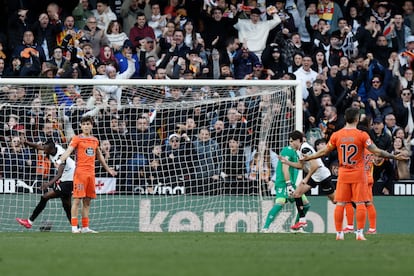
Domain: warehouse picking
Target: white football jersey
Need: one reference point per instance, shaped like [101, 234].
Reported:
[322, 172]
[69, 166]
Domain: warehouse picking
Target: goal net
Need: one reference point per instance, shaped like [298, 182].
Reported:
[195, 155]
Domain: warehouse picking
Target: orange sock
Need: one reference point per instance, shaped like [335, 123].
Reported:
[85, 222]
[349, 209]
[372, 216]
[339, 217]
[361, 216]
[74, 222]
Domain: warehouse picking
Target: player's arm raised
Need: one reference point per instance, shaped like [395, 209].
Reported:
[38, 146]
[382, 153]
[322, 152]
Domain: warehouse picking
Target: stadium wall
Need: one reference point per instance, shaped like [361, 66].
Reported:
[128, 213]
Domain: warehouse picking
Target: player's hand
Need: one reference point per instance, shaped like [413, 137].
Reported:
[401, 156]
[44, 186]
[112, 172]
[282, 159]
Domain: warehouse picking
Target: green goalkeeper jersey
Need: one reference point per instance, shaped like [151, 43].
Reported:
[290, 154]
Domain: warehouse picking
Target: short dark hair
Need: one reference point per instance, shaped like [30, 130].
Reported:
[295, 135]
[49, 145]
[49, 142]
[216, 9]
[320, 141]
[352, 115]
[105, 2]
[140, 13]
[87, 119]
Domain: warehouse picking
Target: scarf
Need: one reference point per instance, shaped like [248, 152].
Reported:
[326, 12]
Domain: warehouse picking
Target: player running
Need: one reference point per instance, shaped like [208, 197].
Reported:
[62, 182]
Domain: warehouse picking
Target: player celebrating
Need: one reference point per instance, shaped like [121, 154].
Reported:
[316, 174]
[351, 143]
[285, 183]
[62, 182]
[87, 149]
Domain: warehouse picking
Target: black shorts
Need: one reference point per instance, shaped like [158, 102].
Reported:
[63, 189]
[326, 186]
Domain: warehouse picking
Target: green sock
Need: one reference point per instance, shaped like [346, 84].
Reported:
[272, 214]
[305, 210]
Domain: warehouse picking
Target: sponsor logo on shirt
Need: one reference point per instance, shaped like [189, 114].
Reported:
[90, 152]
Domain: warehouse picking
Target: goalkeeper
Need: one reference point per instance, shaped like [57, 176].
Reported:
[285, 183]
[62, 182]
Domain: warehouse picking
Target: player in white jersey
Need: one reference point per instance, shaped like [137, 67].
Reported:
[316, 174]
[62, 182]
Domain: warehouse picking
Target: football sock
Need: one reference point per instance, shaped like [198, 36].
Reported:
[272, 214]
[39, 208]
[339, 217]
[361, 216]
[66, 204]
[349, 209]
[85, 222]
[74, 222]
[305, 210]
[299, 206]
[372, 216]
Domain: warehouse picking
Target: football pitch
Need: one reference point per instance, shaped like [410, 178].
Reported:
[181, 254]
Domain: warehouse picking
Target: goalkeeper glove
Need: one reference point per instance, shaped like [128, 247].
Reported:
[290, 189]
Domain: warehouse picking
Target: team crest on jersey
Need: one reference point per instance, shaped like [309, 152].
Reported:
[90, 152]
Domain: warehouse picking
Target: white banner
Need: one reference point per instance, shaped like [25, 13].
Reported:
[105, 185]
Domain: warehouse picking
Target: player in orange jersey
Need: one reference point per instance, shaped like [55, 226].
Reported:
[87, 150]
[370, 160]
[351, 143]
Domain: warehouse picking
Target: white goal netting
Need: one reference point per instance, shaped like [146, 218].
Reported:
[190, 155]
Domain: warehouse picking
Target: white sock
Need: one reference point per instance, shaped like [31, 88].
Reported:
[31, 222]
[302, 219]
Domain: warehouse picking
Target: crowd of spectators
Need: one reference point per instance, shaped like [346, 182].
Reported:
[345, 53]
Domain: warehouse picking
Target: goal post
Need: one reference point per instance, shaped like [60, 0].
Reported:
[191, 155]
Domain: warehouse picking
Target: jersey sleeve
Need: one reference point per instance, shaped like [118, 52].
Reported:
[59, 152]
[306, 150]
[367, 139]
[74, 142]
[332, 141]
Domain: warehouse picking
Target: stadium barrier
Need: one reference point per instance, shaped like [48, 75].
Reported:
[151, 214]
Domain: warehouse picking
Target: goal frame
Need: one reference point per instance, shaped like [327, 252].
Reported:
[148, 224]
[180, 82]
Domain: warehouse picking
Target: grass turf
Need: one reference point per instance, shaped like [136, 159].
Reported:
[203, 254]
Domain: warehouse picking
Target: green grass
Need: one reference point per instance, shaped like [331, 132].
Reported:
[203, 254]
